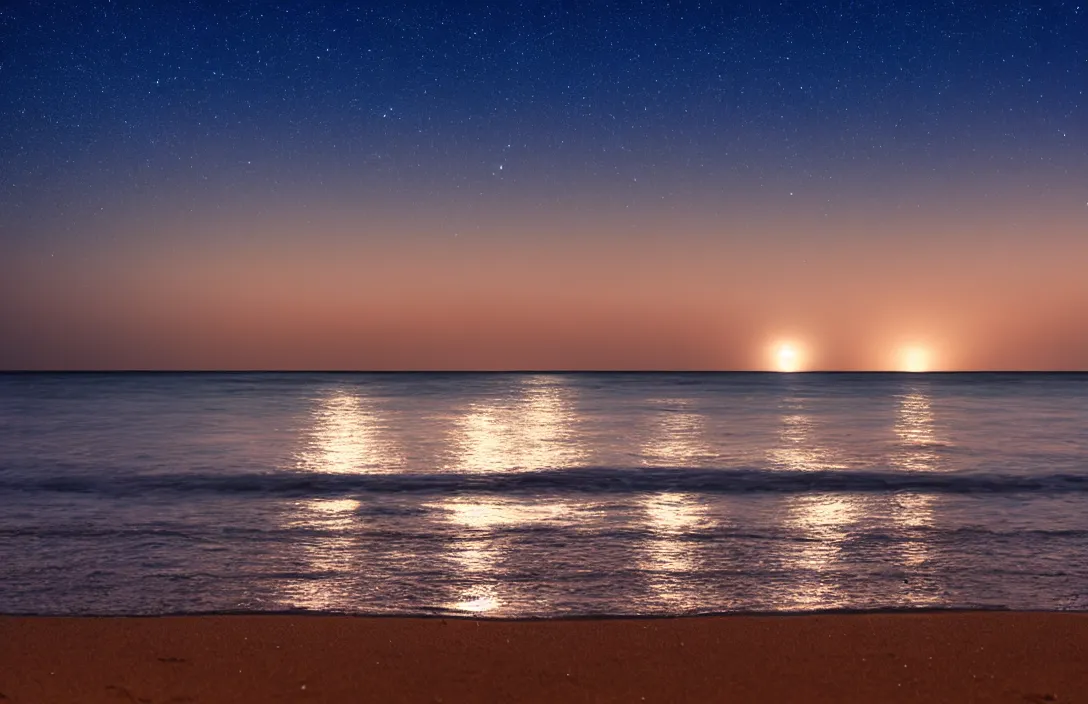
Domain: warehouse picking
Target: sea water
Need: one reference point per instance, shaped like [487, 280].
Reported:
[538, 495]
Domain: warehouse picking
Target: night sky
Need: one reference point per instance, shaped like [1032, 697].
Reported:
[544, 185]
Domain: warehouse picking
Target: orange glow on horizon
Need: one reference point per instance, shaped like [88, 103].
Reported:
[564, 294]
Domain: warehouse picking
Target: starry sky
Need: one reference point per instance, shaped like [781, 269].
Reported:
[543, 185]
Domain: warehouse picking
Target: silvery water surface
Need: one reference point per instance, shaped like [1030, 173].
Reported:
[514, 495]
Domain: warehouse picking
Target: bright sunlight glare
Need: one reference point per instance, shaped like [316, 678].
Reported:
[787, 358]
[914, 359]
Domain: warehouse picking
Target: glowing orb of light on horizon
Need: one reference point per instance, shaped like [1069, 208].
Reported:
[914, 359]
[787, 357]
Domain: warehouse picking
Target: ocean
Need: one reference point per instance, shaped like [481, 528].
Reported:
[541, 495]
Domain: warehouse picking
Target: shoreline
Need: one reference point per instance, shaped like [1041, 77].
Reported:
[484, 618]
[899, 656]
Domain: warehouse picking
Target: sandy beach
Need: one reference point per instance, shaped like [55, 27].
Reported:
[889, 657]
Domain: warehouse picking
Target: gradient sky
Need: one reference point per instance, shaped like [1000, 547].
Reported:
[543, 185]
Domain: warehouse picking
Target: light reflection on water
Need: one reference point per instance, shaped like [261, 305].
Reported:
[479, 548]
[826, 523]
[668, 555]
[348, 437]
[916, 430]
[677, 440]
[822, 524]
[533, 432]
[330, 550]
[535, 429]
[797, 448]
[818, 557]
[678, 436]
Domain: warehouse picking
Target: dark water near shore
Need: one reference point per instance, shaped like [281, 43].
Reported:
[541, 495]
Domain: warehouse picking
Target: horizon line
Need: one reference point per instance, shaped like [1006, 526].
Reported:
[545, 371]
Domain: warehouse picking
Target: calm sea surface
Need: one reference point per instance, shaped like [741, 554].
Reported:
[541, 495]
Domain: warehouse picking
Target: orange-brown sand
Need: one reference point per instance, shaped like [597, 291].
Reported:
[919, 657]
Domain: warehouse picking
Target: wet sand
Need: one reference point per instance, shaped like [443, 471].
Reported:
[904, 657]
